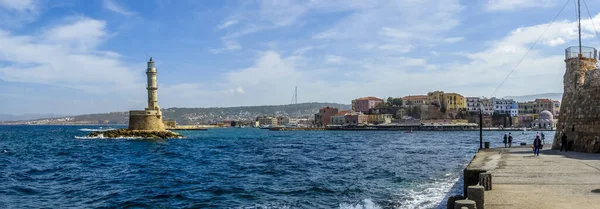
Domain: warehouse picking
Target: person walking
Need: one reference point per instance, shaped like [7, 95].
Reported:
[543, 138]
[510, 139]
[563, 142]
[537, 143]
[505, 140]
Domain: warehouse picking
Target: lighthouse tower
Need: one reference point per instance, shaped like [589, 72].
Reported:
[149, 119]
[152, 87]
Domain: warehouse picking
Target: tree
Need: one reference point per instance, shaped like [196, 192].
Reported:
[233, 123]
[390, 100]
[397, 102]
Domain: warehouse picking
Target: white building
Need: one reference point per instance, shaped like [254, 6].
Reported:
[505, 106]
[473, 105]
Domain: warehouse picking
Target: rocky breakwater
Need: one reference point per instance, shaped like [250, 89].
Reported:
[126, 133]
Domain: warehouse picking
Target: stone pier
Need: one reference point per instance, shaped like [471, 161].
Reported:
[552, 180]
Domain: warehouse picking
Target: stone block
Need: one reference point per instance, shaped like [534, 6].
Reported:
[471, 177]
[476, 193]
[469, 204]
[485, 180]
[452, 199]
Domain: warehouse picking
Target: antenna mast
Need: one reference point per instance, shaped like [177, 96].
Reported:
[579, 22]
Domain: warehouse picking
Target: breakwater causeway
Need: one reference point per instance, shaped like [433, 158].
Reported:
[46, 166]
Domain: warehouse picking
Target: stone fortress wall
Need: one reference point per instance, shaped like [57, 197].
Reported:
[580, 108]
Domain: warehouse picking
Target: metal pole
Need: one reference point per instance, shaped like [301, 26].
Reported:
[579, 21]
[480, 129]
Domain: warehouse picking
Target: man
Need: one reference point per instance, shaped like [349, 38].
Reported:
[537, 144]
[563, 142]
[505, 140]
[510, 138]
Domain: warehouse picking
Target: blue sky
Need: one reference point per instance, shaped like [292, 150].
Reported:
[74, 57]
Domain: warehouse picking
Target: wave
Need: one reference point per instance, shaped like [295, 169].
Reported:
[101, 136]
[429, 195]
[365, 204]
[96, 129]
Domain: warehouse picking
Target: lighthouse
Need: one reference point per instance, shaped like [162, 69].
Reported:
[149, 119]
[152, 86]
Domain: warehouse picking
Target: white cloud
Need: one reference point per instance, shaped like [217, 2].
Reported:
[453, 39]
[66, 56]
[506, 5]
[229, 45]
[19, 5]
[334, 59]
[227, 24]
[115, 7]
[325, 35]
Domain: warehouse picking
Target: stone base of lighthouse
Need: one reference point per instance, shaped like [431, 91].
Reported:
[146, 120]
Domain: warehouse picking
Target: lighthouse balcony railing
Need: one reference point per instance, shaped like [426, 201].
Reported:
[586, 52]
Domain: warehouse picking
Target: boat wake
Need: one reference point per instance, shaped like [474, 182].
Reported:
[101, 136]
[96, 129]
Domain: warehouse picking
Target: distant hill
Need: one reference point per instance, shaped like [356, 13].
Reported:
[524, 98]
[200, 115]
[6, 117]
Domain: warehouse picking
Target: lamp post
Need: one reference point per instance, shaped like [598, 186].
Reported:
[480, 125]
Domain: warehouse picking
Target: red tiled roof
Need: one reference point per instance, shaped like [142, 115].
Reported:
[343, 112]
[414, 97]
[369, 98]
[543, 100]
[328, 107]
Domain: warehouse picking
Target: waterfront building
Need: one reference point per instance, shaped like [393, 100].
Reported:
[475, 103]
[505, 106]
[323, 118]
[556, 111]
[283, 121]
[454, 102]
[415, 100]
[267, 121]
[339, 118]
[379, 118]
[545, 121]
[526, 108]
[356, 118]
[525, 120]
[364, 104]
[435, 98]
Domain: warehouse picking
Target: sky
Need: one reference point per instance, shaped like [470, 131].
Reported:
[89, 56]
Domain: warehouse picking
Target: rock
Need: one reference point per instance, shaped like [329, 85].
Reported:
[143, 134]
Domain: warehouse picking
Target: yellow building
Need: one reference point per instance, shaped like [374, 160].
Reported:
[452, 101]
[380, 118]
[435, 98]
[455, 101]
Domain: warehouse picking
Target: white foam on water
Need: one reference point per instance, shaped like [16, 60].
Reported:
[101, 136]
[429, 195]
[96, 129]
[365, 204]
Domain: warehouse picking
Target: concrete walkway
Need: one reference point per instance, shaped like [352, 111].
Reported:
[552, 180]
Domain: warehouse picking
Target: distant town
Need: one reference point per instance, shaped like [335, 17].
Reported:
[436, 108]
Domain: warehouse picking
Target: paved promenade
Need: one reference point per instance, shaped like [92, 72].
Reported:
[552, 180]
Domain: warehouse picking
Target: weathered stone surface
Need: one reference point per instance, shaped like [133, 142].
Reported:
[485, 180]
[452, 199]
[579, 114]
[470, 204]
[143, 134]
[476, 193]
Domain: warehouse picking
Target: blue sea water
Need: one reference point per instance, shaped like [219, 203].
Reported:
[48, 167]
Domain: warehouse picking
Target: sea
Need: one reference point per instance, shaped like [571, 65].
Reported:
[59, 167]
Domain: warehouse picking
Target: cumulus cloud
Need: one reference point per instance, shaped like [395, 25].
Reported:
[66, 56]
